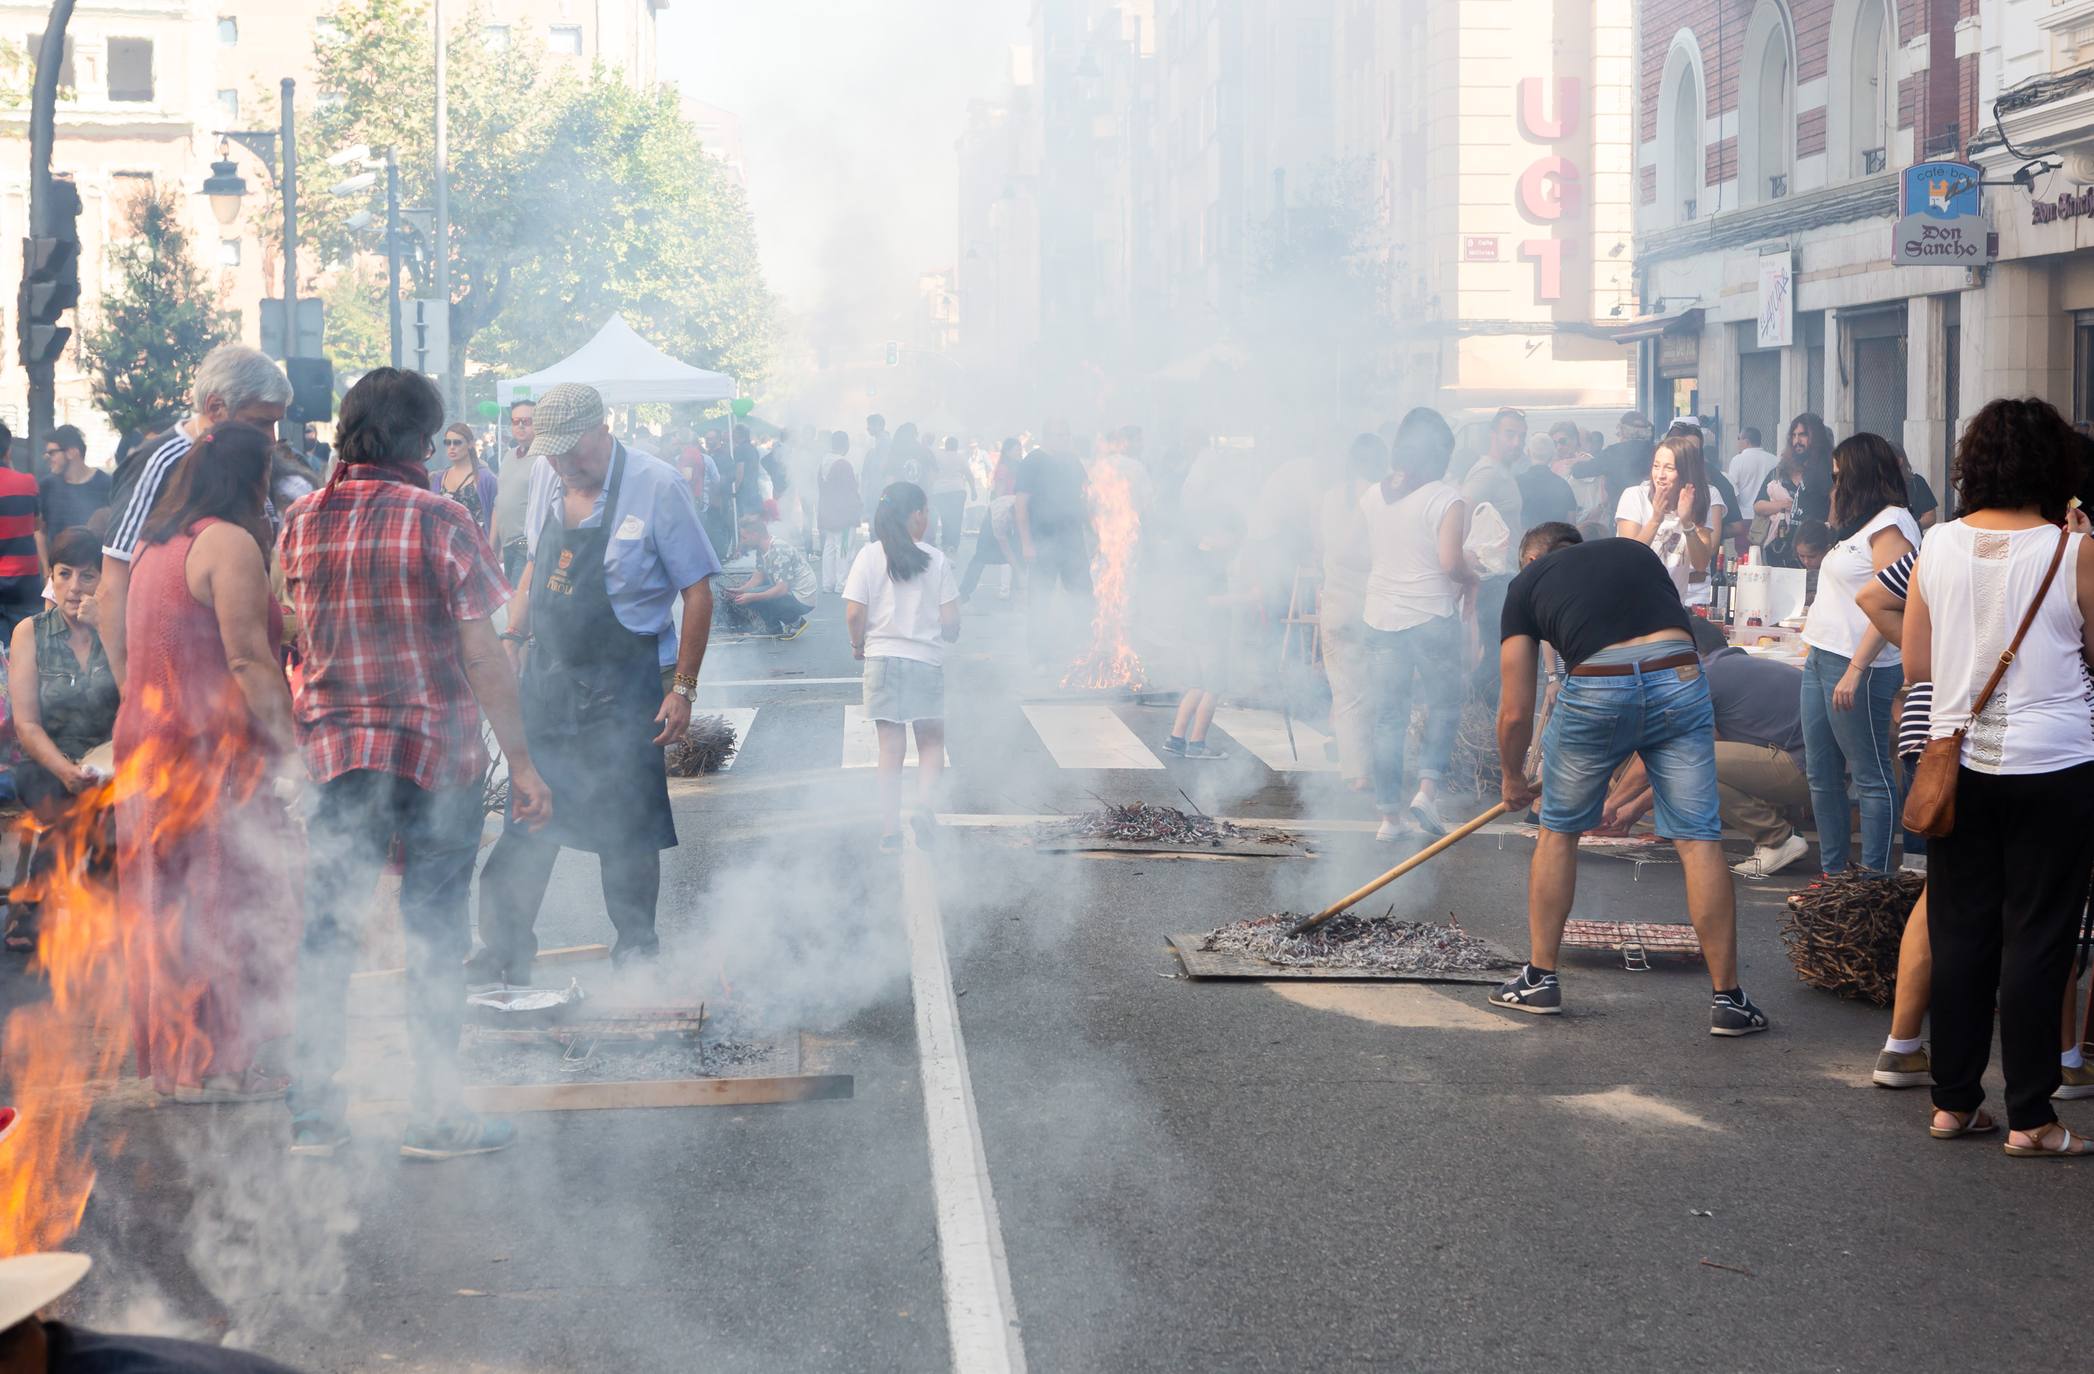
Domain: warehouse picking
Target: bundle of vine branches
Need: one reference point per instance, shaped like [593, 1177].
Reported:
[1843, 934]
[705, 748]
[1473, 766]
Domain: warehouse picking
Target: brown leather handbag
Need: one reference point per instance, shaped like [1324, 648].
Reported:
[1930, 803]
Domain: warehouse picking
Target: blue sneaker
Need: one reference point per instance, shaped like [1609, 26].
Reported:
[1525, 992]
[453, 1137]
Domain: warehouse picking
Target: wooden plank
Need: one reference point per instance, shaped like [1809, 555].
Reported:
[1201, 963]
[658, 1093]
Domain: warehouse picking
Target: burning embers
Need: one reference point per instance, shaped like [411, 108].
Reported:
[1350, 941]
[1139, 822]
[1110, 661]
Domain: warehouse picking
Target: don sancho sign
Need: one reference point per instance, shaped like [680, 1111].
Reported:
[1940, 219]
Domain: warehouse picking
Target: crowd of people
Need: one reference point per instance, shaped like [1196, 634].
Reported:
[232, 623]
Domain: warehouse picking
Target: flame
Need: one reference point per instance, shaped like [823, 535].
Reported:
[99, 957]
[1110, 661]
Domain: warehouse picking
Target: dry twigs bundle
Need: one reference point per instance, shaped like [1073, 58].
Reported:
[1473, 766]
[1843, 935]
[705, 748]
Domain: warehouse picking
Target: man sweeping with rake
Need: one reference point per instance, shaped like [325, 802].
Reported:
[1634, 686]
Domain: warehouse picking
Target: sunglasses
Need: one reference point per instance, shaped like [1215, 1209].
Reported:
[454, 443]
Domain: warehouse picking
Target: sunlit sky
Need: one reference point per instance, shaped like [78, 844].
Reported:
[845, 100]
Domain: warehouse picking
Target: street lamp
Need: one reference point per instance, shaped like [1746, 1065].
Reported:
[225, 187]
[361, 155]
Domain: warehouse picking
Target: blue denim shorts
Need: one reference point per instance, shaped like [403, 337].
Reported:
[1598, 722]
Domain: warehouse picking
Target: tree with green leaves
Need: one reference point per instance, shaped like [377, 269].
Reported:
[150, 333]
[572, 196]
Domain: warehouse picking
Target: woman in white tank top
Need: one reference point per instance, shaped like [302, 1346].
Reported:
[2006, 887]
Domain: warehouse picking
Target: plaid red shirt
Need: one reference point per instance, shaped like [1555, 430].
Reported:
[380, 573]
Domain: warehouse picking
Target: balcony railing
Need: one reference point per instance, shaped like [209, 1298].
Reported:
[1777, 185]
[1874, 160]
[1686, 209]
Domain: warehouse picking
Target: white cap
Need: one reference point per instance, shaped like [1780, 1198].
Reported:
[30, 1283]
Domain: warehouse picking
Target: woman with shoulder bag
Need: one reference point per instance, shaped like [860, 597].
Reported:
[1996, 621]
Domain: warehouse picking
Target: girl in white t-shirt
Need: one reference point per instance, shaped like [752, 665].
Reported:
[901, 604]
[1677, 514]
[1851, 675]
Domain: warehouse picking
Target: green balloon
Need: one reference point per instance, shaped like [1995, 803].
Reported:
[743, 405]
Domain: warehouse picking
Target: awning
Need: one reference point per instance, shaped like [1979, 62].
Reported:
[1686, 320]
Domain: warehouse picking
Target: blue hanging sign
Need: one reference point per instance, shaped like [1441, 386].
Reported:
[1939, 190]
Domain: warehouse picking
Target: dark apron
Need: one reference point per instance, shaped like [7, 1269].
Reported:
[590, 690]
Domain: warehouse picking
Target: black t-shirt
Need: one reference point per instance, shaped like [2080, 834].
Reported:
[1053, 488]
[1544, 497]
[1588, 596]
[1919, 497]
[1720, 487]
[67, 504]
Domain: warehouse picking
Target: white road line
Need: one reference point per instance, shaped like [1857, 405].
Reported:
[741, 718]
[861, 741]
[776, 682]
[981, 1318]
[1264, 733]
[1088, 735]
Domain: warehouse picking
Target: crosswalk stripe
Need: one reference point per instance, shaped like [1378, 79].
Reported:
[1264, 733]
[1088, 735]
[861, 741]
[742, 718]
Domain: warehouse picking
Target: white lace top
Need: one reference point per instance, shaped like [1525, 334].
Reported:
[1978, 585]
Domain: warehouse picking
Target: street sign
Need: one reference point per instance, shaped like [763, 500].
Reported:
[312, 329]
[1941, 220]
[429, 338]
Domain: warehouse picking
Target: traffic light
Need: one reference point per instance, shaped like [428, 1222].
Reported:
[894, 355]
[51, 277]
[312, 388]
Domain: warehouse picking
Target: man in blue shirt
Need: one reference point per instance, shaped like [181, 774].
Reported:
[615, 549]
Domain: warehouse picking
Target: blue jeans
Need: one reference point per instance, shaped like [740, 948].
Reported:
[355, 819]
[1856, 741]
[1598, 722]
[1431, 651]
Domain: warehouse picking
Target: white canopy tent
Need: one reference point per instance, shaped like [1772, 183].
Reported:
[626, 370]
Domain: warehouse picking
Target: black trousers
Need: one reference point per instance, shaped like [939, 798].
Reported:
[1059, 556]
[2004, 894]
[779, 613]
[512, 888]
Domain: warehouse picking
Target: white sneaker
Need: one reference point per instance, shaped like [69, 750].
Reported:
[1765, 863]
[1426, 812]
[1390, 831]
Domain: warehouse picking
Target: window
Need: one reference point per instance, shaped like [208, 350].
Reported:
[1769, 120]
[229, 104]
[65, 64]
[1681, 107]
[1863, 113]
[496, 36]
[228, 31]
[228, 252]
[131, 69]
[1312, 74]
[565, 39]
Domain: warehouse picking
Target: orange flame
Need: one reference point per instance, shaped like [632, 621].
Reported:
[1110, 661]
[95, 953]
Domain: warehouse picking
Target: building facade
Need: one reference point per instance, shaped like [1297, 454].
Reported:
[1771, 140]
[153, 82]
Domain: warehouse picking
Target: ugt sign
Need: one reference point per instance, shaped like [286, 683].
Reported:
[1551, 191]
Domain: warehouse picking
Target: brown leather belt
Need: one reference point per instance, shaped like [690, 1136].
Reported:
[1685, 659]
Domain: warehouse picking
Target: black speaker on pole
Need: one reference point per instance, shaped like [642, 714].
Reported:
[312, 388]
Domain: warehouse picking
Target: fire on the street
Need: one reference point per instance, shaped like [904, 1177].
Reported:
[1110, 661]
[63, 1052]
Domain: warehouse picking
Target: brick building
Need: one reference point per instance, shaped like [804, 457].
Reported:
[1770, 139]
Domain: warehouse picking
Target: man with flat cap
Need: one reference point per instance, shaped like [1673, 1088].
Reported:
[615, 546]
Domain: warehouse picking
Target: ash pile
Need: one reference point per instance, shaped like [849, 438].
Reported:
[1141, 823]
[546, 1035]
[1371, 944]
[705, 748]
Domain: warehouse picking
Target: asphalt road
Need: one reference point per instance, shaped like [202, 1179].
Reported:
[1183, 1175]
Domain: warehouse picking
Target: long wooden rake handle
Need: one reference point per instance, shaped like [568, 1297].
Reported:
[1438, 846]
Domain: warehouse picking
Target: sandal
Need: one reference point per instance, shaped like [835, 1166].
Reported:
[1972, 1122]
[2067, 1145]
